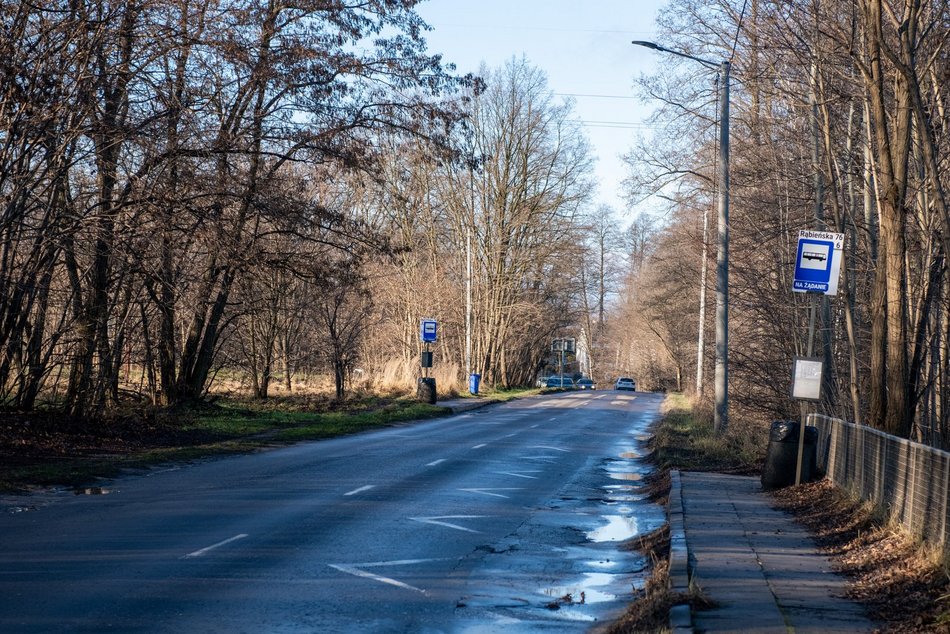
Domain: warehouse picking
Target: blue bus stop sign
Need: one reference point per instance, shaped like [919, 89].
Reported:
[818, 262]
[427, 330]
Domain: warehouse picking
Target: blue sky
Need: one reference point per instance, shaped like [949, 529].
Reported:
[584, 47]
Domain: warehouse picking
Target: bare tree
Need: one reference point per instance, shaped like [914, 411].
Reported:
[519, 207]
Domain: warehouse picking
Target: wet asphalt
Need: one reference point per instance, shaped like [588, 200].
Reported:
[507, 518]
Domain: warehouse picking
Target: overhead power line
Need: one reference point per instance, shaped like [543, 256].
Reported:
[501, 27]
[581, 94]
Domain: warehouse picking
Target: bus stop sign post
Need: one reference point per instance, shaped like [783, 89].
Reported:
[428, 333]
[817, 269]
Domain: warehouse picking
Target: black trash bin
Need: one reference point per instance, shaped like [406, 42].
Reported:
[425, 391]
[782, 455]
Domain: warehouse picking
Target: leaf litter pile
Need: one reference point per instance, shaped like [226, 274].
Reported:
[905, 586]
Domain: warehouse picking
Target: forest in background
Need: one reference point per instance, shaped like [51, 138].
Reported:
[264, 192]
[838, 123]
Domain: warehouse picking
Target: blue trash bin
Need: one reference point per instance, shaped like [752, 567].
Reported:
[473, 380]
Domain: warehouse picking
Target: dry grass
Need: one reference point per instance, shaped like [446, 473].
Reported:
[685, 438]
[400, 376]
[395, 378]
[903, 583]
[650, 610]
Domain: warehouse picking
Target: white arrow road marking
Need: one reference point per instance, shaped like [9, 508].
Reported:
[437, 522]
[361, 489]
[518, 474]
[549, 447]
[435, 462]
[357, 571]
[199, 553]
[489, 491]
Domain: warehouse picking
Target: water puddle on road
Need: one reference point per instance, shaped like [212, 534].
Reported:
[632, 477]
[619, 528]
[571, 566]
[585, 590]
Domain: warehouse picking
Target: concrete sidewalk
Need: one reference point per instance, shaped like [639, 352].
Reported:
[762, 570]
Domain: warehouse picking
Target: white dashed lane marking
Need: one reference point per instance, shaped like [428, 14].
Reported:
[491, 491]
[203, 551]
[519, 474]
[439, 521]
[357, 571]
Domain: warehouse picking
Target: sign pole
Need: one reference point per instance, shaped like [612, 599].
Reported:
[801, 428]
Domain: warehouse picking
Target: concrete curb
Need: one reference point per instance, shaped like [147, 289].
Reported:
[465, 405]
[681, 620]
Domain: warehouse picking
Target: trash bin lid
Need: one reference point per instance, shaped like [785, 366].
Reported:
[787, 431]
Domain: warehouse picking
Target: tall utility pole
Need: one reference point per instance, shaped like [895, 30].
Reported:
[722, 261]
[722, 253]
[468, 302]
[468, 270]
[701, 339]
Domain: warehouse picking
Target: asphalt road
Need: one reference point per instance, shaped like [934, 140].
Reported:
[474, 522]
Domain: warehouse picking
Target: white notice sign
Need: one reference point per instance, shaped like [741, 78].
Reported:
[806, 379]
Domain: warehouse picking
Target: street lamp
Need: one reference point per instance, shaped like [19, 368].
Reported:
[722, 254]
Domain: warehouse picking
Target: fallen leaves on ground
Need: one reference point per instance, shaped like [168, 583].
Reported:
[904, 585]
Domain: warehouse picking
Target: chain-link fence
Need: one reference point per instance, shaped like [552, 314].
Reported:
[908, 479]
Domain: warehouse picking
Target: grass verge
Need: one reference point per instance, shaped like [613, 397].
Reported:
[686, 439]
[51, 451]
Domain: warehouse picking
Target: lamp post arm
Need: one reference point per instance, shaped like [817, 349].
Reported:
[657, 47]
[721, 418]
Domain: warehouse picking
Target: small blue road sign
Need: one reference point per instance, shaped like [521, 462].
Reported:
[427, 330]
[818, 264]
